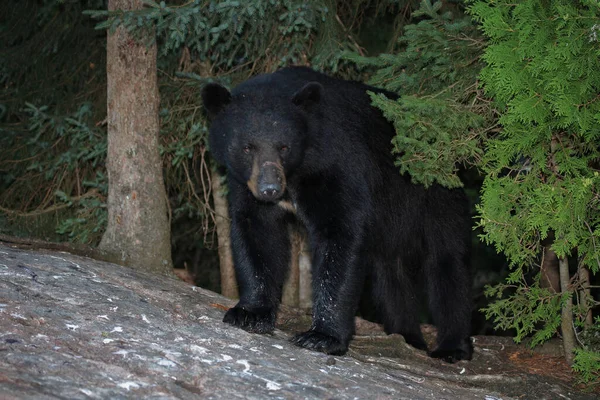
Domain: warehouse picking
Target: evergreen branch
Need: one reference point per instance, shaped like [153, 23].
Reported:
[592, 236]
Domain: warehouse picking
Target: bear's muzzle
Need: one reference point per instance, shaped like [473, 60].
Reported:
[267, 182]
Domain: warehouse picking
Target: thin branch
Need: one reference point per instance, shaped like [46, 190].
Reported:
[56, 207]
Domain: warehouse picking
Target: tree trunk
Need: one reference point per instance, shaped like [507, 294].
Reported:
[585, 295]
[229, 286]
[305, 295]
[550, 276]
[138, 231]
[291, 288]
[567, 312]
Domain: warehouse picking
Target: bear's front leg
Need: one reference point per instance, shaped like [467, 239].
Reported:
[261, 254]
[338, 279]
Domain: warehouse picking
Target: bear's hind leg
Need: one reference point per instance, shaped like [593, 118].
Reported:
[449, 289]
[395, 298]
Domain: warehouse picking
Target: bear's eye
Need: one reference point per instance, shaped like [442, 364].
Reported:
[283, 149]
[247, 148]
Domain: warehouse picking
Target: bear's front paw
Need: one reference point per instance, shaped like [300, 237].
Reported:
[464, 351]
[257, 320]
[318, 341]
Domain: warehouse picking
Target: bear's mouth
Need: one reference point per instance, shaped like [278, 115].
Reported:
[267, 181]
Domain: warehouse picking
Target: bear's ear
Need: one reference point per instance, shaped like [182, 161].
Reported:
[310, 94]
[215, 97]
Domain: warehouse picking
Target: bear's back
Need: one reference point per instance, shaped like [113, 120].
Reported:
[287, 81]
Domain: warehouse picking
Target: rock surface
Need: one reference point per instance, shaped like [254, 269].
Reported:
[76, 328]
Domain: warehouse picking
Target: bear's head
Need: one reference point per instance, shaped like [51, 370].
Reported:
[260, 134]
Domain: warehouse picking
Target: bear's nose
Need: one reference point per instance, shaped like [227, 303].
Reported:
[270, 190]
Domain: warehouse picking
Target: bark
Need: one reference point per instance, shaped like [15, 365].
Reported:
[305, 295]
[585, 295]
[138, 231]
[291, 288]
[567, 312]
[550, 277]
[229, 286]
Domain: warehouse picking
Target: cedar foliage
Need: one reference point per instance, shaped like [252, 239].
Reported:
[440, 117]
[542, 172]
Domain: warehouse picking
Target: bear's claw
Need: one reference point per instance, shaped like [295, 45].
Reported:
[318, 341]
[255, 321]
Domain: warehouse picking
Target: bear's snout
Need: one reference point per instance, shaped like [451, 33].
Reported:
[268, 181]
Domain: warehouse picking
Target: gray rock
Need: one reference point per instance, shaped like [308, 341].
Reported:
[76, 328]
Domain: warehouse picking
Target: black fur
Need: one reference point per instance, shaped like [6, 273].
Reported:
[371, 230]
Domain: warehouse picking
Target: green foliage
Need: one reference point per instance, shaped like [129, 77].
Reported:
[184, 153]
[85, 143]
[88, 220]
[264, 34]
[543, 67]
[52, 158]
[34, 66]
[434, 135]
[56, 149]
[440, 119]
[525, 309]
[587, 359]
[542, 170]
[587, 364]
[440, 53]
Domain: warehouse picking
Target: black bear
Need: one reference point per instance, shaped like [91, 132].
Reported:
[300, 144]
